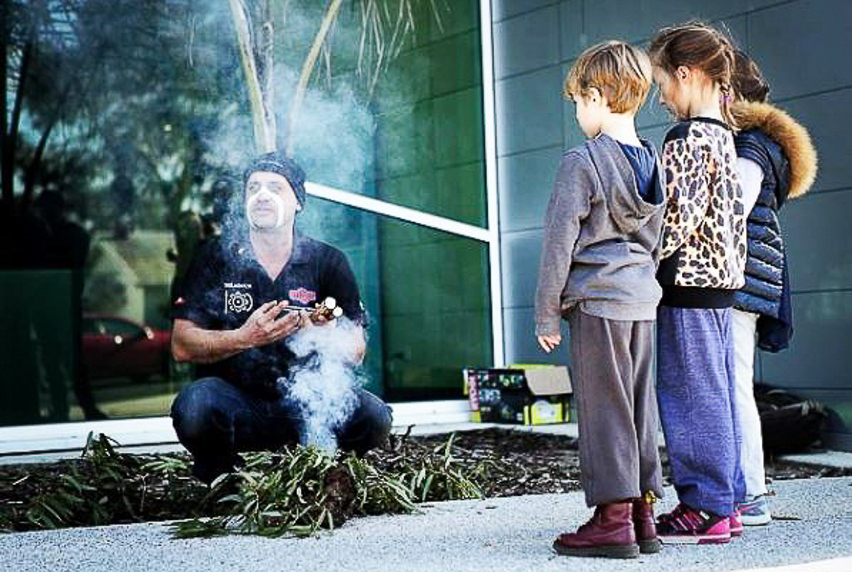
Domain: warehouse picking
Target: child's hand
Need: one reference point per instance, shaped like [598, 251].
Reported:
[549, 343]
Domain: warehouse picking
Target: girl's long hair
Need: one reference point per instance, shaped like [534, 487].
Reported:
[748, 80]
[698, 45]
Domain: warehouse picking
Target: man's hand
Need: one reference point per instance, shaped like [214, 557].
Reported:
[319, 320]
[268, 324]
[549, 343]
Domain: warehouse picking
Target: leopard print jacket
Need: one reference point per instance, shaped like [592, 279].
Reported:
[704, 229]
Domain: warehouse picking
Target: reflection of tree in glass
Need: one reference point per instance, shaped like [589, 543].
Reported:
[94, 84]
[385, 26]
[121, 87]
[120, 104]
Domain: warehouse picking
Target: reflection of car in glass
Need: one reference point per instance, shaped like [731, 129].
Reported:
[118, 347]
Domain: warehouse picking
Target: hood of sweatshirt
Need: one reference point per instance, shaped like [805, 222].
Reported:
[790, 135]
[626, 206]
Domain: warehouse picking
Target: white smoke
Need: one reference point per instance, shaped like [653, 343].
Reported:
[325, 386]
[333, 132]
[334, 142]
[334, 137]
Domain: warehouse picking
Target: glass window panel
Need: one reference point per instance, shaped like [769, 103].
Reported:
[145, 157]
[427, 293]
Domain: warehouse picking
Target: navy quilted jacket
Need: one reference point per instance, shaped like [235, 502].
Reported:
[765, 263]
[786, 156]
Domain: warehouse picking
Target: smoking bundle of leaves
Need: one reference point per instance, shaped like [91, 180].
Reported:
[302, 490]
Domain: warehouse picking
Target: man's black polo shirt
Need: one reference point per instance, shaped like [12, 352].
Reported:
[225, 284]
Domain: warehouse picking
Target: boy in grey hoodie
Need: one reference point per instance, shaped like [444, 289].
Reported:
[598, 270]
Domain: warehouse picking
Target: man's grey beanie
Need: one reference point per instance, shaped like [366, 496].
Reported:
[277, 162]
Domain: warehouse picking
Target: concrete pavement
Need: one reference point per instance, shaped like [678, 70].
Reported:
[814, 532]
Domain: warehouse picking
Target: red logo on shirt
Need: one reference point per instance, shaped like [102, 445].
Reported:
[302, 295]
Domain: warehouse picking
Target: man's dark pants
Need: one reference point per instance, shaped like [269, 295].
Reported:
[215, 420]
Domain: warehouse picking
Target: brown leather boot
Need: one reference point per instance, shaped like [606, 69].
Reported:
[646, 526]
[608, 533]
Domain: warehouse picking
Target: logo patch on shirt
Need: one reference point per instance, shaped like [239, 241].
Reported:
[236, 300]
[302, 295]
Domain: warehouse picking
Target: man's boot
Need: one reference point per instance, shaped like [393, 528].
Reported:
[645, 525]
[608, 533]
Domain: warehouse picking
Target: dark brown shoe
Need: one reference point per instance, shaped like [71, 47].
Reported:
[646, 526]
[609, 533]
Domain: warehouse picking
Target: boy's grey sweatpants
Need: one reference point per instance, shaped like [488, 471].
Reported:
[611, 366]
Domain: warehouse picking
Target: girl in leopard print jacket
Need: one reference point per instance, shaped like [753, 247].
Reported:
[703, 251]
[703, 254]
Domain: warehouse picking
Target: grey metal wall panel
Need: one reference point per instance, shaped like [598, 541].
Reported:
[521, 252]
[819, 355]
[572, 39]
[529, 107]
[802, 45]
[527, 181]
[530, 41]
[828, 119]
[655, 134]
[521, 345]
[639, 20]
[653, 113]
[502, 9]
[818, 242]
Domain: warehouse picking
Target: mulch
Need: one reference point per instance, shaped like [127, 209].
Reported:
[546, 463]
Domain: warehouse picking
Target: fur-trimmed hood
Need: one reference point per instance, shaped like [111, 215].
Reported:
[790, 135]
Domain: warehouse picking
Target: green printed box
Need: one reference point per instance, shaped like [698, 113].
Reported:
[524, 393]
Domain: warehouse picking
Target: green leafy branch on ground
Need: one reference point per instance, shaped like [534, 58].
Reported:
[86, 494]
[303, 490]
[294, 491]
[103, 487]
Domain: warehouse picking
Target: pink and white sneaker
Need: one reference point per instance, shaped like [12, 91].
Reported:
[736, 524]
[686, 525]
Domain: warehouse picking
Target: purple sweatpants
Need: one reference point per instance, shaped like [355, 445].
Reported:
[695, 387]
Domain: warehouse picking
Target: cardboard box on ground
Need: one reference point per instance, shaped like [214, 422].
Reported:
[530, 394]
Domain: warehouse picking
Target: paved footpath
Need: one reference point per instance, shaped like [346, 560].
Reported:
[813, 533]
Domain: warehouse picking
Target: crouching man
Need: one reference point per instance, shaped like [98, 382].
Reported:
[233, 315]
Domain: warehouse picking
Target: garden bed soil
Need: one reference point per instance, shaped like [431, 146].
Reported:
[505, 462]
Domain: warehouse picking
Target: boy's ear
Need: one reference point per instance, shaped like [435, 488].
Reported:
[594, 95]
[682, 73]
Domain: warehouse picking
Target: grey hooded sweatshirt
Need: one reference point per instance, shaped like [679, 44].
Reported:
[600, 239]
